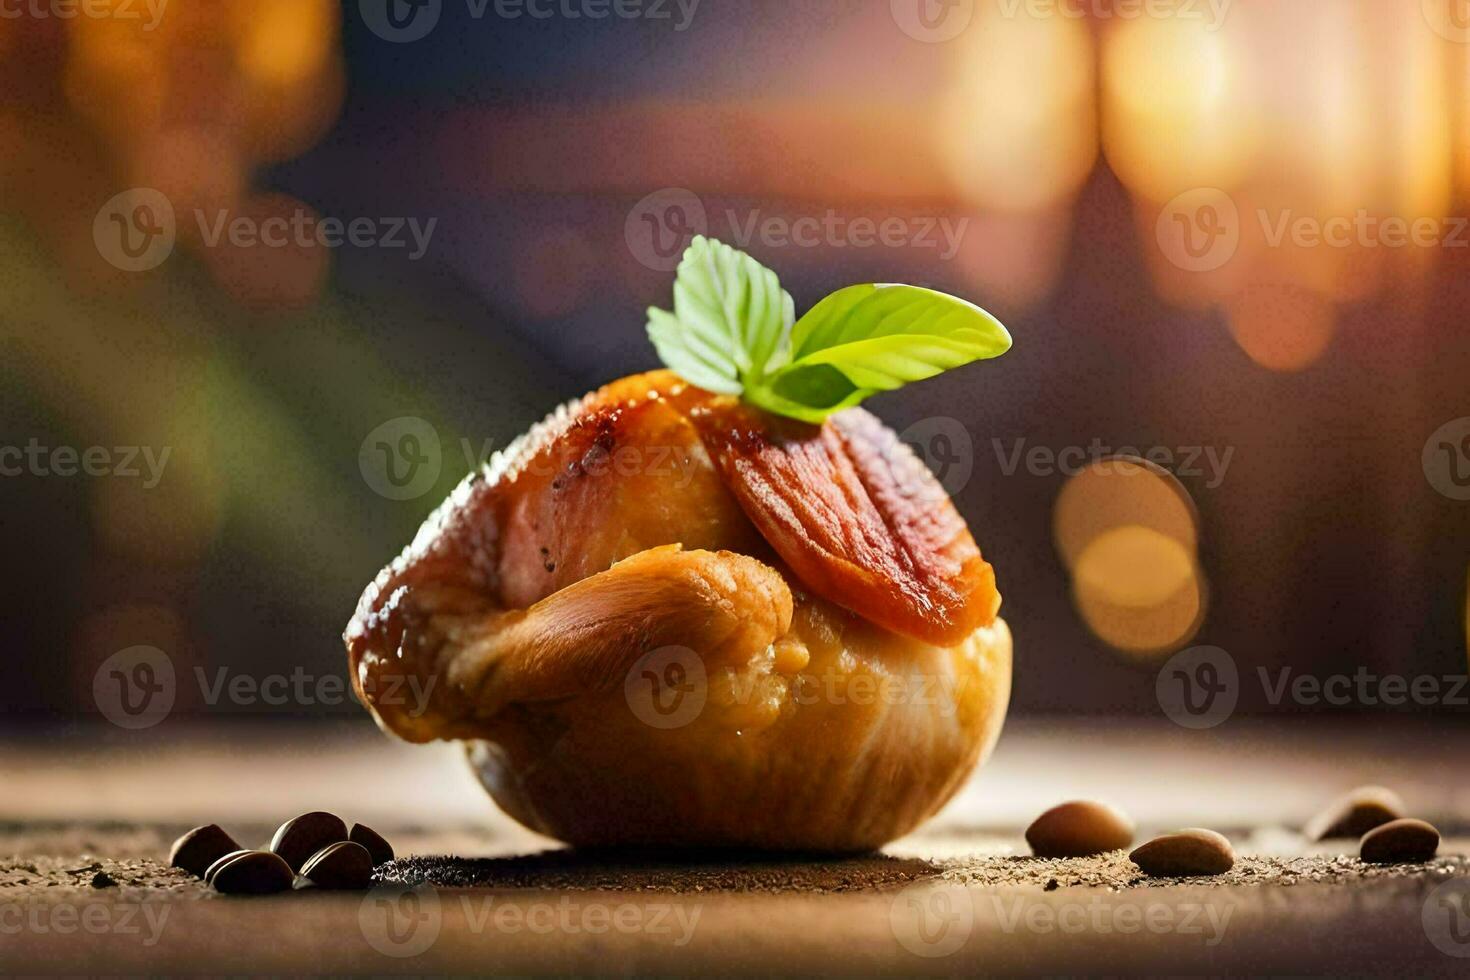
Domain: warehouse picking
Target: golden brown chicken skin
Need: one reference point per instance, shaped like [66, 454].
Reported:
[663, 617]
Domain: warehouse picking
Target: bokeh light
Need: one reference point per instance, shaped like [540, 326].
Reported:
[1163, 625]
[1118, 491]
[1128, 532]
[1281, 327]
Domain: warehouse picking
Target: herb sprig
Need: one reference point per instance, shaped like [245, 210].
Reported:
[733, 331]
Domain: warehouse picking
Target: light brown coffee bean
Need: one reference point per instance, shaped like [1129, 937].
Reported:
[380, 849]
[1404, 841]
[201, 847]
[1188, 852]
[1355, 813]
[1078, 829]
[301, 837]
[220, 862]
[343, 865]
[253, 873]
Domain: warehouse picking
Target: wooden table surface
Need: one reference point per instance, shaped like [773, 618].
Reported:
[88, 814]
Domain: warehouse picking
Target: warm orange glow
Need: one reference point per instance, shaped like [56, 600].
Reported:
[282, 42]
[1134, 566]
[1018, 130]
[1284, 328]
[283, 273]
[1138, 590]
[1128, 532]
[1118, 492]
[1176, 111]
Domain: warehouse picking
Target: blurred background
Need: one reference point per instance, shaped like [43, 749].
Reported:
[278, 273]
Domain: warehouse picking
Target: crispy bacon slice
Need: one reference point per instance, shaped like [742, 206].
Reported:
[859, 518]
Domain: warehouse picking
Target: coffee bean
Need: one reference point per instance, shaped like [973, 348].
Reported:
[1400, 842]
[252, 873]
[301, 837]
[1355, 813]
[201, 847]
[1189, 852]
[220, 862]
[1079, 829]
[380, 849]
[342, 865]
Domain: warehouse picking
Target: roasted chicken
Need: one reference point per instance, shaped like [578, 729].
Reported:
[665, 617]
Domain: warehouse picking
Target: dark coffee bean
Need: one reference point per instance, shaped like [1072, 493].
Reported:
[1079, 829]
[1355, 813]
[1400, 842]
[1189, 852]
[380, 849]
[220, 862]
[342, 865]
[301, 837]
[253, 873]
[201, 847]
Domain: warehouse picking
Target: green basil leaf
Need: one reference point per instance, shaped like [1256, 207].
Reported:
[732, 332]
[878, 338]
[730, 319]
